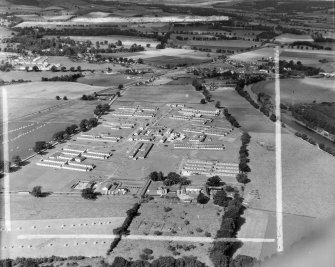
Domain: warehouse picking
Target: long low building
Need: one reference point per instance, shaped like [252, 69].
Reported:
[196, 146]
[209, 168]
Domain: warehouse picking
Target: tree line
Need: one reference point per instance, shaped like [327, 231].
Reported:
[63, 78]
[244, 159]
[222, 252]
[231, 118]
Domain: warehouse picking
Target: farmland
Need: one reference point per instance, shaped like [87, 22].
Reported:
[49, 90]
[299, 90]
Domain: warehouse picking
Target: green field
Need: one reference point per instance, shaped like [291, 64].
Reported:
[176, 60]
[49, 90]
[299, 90]
[163, 94]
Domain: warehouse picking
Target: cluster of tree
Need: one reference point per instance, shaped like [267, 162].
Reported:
[59, 98]
[166, 261]
[36, 262]
[17, 160]
[231, 118]
[316, 115]
[302, 44]
[88, 97]
[327, 149]
[239, 89]
[63, 78]
[222, 251]
[163, 41]
[37, 192]
[200, 87]
[41, 145]
[292, 68]
[202, 198]
[86, 125]
[320, 39]
[268, 35]
[289, 30]
[171, 179]
[122, 60]
[214, 181]
[123, 229]
[61, 135]
[63, 69]
[89, 193]
[101, 109]
[244, 158]
[15, 81]
[6, 67]
[111, 49]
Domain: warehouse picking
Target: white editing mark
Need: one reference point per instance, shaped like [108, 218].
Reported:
[147, 237]
[279, 178]
[6, 159]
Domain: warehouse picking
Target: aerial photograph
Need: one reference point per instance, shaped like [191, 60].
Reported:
[172, 133]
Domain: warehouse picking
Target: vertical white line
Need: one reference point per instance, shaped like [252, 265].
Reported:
[6, 159]
[279, 184]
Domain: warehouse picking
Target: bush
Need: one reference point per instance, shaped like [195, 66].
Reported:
[167, 209]
[37, 191]
[187, 222]
[147, 251]
[144, 257]
[207, 234]
[199, 230]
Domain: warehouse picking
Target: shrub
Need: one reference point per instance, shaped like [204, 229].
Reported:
[147, 251]
[144, 257]
[158, 233]
[207, 234]
[199, 230]
[167, 209]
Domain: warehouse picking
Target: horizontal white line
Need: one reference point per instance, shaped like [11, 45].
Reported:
[147, 237]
